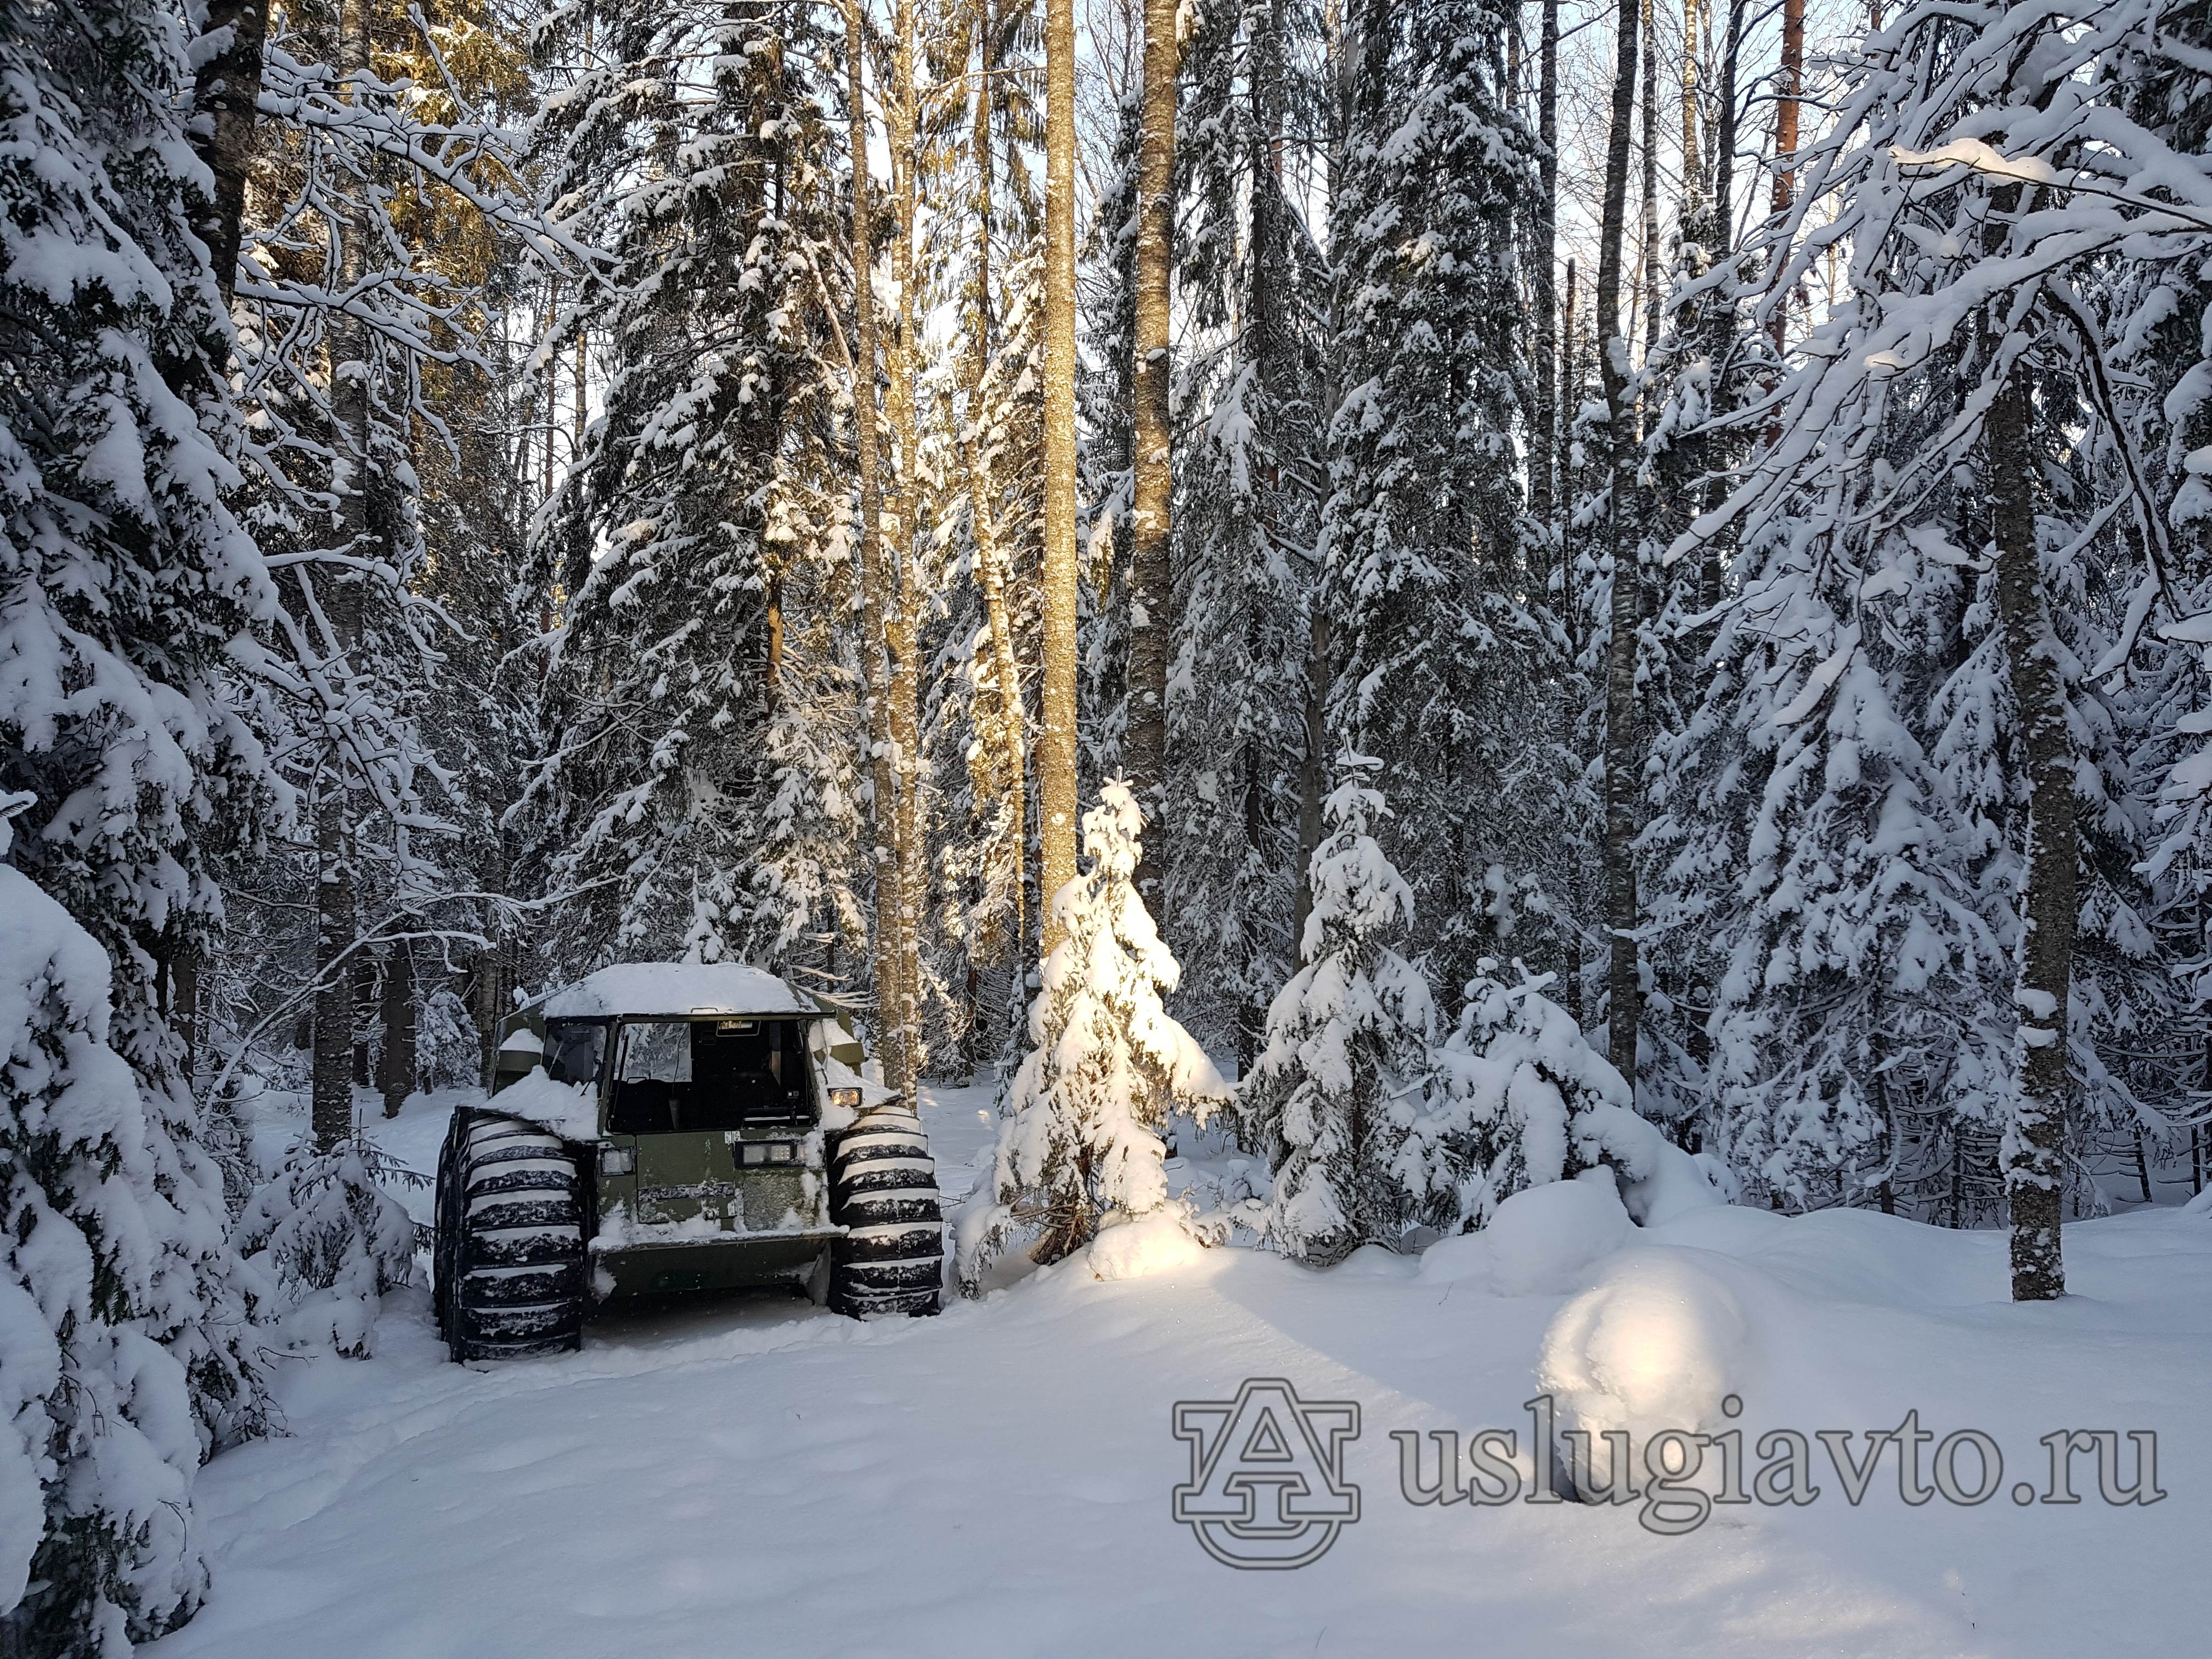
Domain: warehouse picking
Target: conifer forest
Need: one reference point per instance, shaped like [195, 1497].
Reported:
[1327, 644]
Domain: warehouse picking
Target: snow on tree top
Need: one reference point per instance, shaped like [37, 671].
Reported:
[676, 988]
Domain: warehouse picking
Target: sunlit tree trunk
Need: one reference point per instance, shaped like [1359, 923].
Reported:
[990, 555]
[874, 581]
[903, 600]
[1056, 748]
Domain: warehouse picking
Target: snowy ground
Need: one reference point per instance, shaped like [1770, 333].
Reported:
[757, 1476]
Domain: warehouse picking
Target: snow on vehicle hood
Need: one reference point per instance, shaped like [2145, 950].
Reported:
[570, 1110]
[676, 988]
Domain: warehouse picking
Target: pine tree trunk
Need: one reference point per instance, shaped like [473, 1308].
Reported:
[227, 92]
[1056, 748]
[874, 584]
[903, 598]
[1150, 576]
[396, 1076]
[1622, 774]
[2034, 1137]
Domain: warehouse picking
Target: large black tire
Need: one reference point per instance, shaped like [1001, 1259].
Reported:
[509, 1250]
[883, 1191]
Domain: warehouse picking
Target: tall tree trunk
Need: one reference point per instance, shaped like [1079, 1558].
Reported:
[1622, 773]
[396, 1076]
[2035, 1133]
[1150, 576]
[364, 1013]
[1693, 221]
[990, 555]
[1056, 748]
[1543, 452]
[227, 91]
[1788, 90]
[903, 598]
[330, 1111]
[1652, 262]
[874, 581]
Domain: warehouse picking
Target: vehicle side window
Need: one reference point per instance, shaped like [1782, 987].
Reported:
[574, 1053]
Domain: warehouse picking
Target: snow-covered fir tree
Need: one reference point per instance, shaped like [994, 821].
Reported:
[703, 505]
[127, 586]
[1250, 475]
[96, 1540]
[1332, 1100]
[1080, 1136]
[1443, 658]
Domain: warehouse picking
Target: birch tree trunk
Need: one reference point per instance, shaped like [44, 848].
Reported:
[1652, 265]
[1692, 167]
[1625, 988]
[2035, 1134]
[1056, 748]
[1150, 576]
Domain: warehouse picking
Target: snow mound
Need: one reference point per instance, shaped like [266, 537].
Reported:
[1544, 1238]
[1144, 1247]
[1676, 1183]
[2200, 1204]
[1656, 1345]
[1463, 1256]
[570, 1110]
[676, 988]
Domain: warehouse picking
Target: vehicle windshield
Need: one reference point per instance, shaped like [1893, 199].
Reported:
[685, 1074]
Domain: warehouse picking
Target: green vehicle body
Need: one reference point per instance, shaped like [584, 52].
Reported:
[714, 1183]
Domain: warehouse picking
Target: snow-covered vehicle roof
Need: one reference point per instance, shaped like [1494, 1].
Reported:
[676, 988]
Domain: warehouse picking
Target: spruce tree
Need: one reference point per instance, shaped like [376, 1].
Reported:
[1080, 1133]
[1334, 1097]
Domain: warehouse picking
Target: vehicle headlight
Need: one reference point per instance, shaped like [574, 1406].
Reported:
[618, 1160]
[847, 1099]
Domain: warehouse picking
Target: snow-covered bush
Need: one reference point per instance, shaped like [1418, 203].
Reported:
[333, 1239]
[1334, 1099]
[449, 1052]
[1521, 1098]
[100, 1442]
[1079, 1136]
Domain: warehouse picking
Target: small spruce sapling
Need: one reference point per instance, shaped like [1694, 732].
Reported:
[1080, 1140]
[1335, 1094]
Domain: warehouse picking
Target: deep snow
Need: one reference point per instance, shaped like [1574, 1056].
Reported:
[758, 1476]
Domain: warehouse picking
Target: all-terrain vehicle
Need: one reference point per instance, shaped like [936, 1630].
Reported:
[664, 1128]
